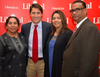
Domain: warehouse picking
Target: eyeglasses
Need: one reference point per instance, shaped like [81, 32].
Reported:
[76, 10]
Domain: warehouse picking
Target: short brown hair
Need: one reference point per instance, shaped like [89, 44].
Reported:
[36, 6]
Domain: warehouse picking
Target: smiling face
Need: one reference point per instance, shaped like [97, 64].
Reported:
[12, 25]
[35, 15]
[56, 21]
[78, 15]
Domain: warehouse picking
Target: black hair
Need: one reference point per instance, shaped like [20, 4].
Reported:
[83, 3]
[12, 17]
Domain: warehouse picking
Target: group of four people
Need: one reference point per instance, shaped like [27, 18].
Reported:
[61, 52]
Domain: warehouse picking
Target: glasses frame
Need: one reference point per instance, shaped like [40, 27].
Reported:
[76, 10]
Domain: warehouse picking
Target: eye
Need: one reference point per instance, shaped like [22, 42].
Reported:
[77, 9]
[72, 10]
[10, 23]
[38, 12]
[53, 18]
[33, 12]
[15, 23]
[58, 18]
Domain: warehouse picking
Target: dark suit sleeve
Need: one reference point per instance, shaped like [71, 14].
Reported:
[22, 30]
[1, 56]
[89, 51]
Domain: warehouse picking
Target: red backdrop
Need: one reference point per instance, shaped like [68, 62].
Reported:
[20, 8]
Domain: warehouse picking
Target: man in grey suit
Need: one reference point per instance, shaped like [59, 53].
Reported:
[81, 56]
[43, 30]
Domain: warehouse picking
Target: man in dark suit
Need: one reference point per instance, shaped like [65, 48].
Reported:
[43, 30]
[81, 55]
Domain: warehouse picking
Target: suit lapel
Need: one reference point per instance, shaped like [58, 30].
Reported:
[28, 31]
[28, 28]
[76, 33]
[43, 33]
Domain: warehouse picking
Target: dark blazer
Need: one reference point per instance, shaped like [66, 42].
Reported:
[59, 47]
[81, 56]
[46, 30]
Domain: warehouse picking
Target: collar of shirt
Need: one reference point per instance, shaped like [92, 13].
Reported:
[39, 24]
[78, 25]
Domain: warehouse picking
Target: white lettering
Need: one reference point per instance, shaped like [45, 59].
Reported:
[43, 6]
[96, 20]
[67, 20]
[26, 6]
[89, 6]
[69, 5]
[57, 8]
[99, 6]
[11, 7]
[21, 20]
[48, 20]
[3, 19]
[0, 19]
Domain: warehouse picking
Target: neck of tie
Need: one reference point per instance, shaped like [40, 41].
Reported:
[35, 45]
[75, 30]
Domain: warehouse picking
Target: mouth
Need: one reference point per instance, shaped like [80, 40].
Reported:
[56, 23]
[13, 28]
[36, 18]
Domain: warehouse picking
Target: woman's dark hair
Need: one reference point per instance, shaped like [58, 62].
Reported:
[63, 20]
[12, 17]
[36, 6]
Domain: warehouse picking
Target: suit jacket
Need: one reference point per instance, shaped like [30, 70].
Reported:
[81, 56]
[46, 30]
[59, 47]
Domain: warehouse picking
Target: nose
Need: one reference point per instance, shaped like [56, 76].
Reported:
[36, 15]
[56, 19]
[12, 24]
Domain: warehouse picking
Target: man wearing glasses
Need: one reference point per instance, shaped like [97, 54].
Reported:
[81, 56]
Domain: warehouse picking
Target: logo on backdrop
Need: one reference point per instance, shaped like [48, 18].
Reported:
[27, 5]
[35, 2]
[57, 8]
[11, 7]
[96, 20]
[3, 19]
[99, 6]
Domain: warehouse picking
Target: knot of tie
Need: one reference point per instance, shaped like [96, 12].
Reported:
[35, 26]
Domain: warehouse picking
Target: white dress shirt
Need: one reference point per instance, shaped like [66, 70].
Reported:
[30, 40]
[78, 25]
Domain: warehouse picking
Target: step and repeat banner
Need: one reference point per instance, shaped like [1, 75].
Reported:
[20, 9]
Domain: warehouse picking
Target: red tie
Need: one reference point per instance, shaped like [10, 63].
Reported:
[75, 30]
[35, 46]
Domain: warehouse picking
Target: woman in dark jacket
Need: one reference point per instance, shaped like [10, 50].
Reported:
[13, 51]
[56, 44]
